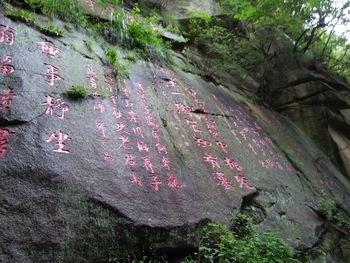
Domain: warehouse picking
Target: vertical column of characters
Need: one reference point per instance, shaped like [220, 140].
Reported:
[186, 113]
[258, 143]
[55, 107]
[7, 37]
[124, 133]
[101, 108]
[172, 181]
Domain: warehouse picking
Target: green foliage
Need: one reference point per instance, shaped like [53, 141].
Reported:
[51, 30]
[244, 244]
[145, 36]
[19, 14]
[276, 28]
[76, 92]
[113, 57]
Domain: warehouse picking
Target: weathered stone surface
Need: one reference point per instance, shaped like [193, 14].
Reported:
[143, 161]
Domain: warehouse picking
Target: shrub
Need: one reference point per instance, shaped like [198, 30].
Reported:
[76, 92]
[244, 244]
[113, 57]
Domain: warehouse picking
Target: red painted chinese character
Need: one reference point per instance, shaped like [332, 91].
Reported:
[151, 121]
[7, 35]
[155, 134]
[212, 160]
[143, 147]
[92, 76]
[132, 116]
[233, 165]
[243, 183]
[166, 163]
[5, 67]
[49, 49]
[193, 125]
[128, 104]
[161, 148]
[140, 87]
[107, 157]
[155, 183]
[138, 131]
[124, 143]
[171, 82]
[173, 182]
[52, 75]
[252, 149]
[53, 102]
[119, 127]
[102, 127]
[129, 160]
[91, 4]
[212, 128]
[223, 180]
[148, 165]
[99, 106]
[60, 138]
[135, 180]
[6, 99]
[116, 113]
[201, 142]
[146, 109]
[222, 145]
[3, 142]
[183, 108]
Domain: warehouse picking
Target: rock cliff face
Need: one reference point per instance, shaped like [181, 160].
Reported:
[319, 104]
[144, 161]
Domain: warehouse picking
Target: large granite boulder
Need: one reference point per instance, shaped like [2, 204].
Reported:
[142, 162]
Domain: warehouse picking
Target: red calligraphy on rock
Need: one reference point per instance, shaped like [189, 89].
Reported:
[60, 138]
[148, 165]
[6, 99]
[233, 165]
[129, 160]
[53, 102]
[212, 160]
[124, 143]
[243, 182]
[166, 163]
[49, 49]
[193, 125]
[52, 75]
[7, 35]
[4, 133]
[155, 183]
[135, 180]
[222, 145]
[5, 68]
[174, 182]
[201, 142]
[142, 146]
[223, 180]
[101, 127]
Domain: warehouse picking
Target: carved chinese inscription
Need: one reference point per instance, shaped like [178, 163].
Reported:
[5, 66]
[4, 133]
[7, 35]
[49, 49]
[52, 74]
[53, 103]
[6, 99]
[60, 139]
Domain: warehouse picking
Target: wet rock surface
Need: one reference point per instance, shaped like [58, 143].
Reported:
[141, 161]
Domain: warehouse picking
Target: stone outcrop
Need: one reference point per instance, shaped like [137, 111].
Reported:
[143, 162]
[317, 102]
